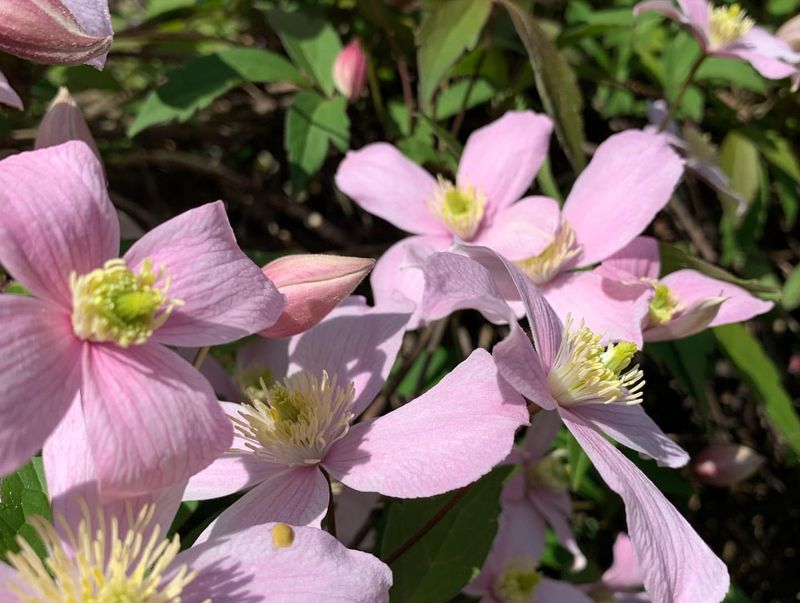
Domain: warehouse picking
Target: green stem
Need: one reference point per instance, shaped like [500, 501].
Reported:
[200, 357]
[330, 516]
[679, 97]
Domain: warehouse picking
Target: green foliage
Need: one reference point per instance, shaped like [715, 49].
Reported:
[22, 494]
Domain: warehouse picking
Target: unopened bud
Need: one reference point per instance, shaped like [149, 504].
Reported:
[350, 70]
[313, 285]
[56, 32]
[63, 122]
[726, 464]
[794, 364]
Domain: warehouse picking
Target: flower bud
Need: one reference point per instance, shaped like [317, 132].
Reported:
[350, 70]
[313, 285]
[726, 464]
[57, 32]
[63, 122]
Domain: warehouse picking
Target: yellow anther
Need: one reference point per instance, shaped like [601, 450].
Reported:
[726, 24]
[460, 208]
[282, 535]
[543, 267]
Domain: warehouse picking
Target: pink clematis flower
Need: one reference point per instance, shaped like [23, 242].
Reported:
[94, 330]
[681, 303]
[622, 582]
[589, 387]
[727, 32]
[302, 424]
[7, 94]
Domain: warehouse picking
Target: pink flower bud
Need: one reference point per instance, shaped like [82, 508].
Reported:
[794, 364]
[726, 464]
[60, 32]
[313, 285]
[63, 122]
[350, 70]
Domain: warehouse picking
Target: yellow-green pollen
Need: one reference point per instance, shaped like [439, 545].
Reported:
[99, 564]
[726, 24]
[543, 267]
[297, 420]
[663, 305]
[115, 304]
[516, 585]
[460, 208]
[586, 372]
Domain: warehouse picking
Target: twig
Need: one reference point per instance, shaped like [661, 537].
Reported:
[673, 106]
[692, 228]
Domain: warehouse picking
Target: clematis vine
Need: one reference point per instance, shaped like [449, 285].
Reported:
[681, 303]
[94, 328]
[302, 424]
[727, 31]
[592, 389]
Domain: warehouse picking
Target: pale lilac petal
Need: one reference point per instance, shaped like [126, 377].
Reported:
[540, 435]
[556, 508]
[399, 271]
[152, 419]
[769, 67]
[231, 472]
[677, 566]
[247, 567]
[639, 258]
[259, 354]
[769, 55]
[501, 159]
[612, 308]
[56, 218]
[354, 343]
[629, 179]
[521, 366]
[691, 18]
[216, 374]
[624, 572]
[296, 495]
[94, 18]
[7, 94]
[521, 230]
[7, 575]
[434, 444]
[691, 286]
[691, 320]
[552, 591]
[388, 184]
[697, 11]
[39, 375]
[225, 295]
[631, 426]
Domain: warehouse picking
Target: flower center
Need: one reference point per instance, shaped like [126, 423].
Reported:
[255, 382]
[550, 472]
[461, 209]
[106, 567]
[663, 305]
[585, 372]
[726, 24]
[297, 420]
[543, 267]
[113, 303]
[517, 583]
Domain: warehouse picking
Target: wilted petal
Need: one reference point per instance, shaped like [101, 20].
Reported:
[432, 445]
[7, 94]
[225, 295]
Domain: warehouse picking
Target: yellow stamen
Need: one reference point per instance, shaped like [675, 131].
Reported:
[663, 306]
[460, 208]
[115, 304]
[517, 582]
[297, 419]
[282, 535]
[586, 372]
[543, 267]
[726, 24]
[99, 565]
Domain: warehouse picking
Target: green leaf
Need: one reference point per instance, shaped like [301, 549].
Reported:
[763, 379]
[578, 463]
[450, 101]
[441, 362]
[22, 494]
[779, 152]
[311, 123]
[311, 41]
[738, 158]
[790, 299]
[731, 71]
[449, 28]
[555, 81]
[442, 562]
[196, 85]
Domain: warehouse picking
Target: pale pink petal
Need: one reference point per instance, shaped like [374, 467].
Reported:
[7, 94]
[388, 184]
[769, 55]
[691, 320]
[8, 575]
[225, 295]
[689, 16]
[502, 159]
[631, 426]
[216, 374]
[612, 308]
[152, 420]
[296, 495]
[521, 366]
[556, 508]
[249, 567]
[629, 179]
[56, 218]
[94, 18]
[354, 343]
[398, 272]
[540, 435]
[72, 480]
[259, 354]
[624, 572]
[39, 375]
[231, 472]
[434, 444]
[521, 230]
[769, 67]
[552, 591]
[677, 566]
[697, 11]
[691, 286]
[639, 258]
